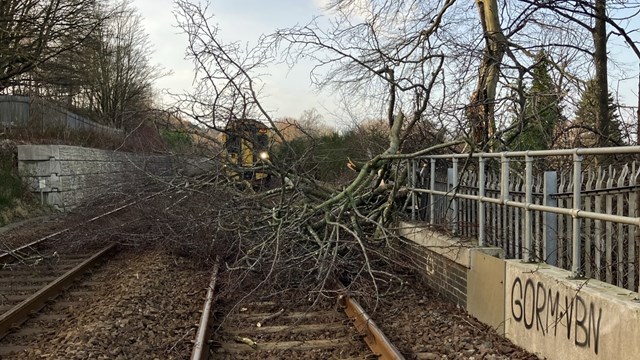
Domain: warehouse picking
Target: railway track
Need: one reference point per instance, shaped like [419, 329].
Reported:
[260, 329]
[31, 276]
[30, 281]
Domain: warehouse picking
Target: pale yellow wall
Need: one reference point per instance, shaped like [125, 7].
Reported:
[485, 289]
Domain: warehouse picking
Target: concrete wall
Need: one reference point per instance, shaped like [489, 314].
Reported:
[67, 175]
[558, 318]
[536, 306]
[486, 289]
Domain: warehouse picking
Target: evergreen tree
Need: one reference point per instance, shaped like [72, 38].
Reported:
[586, 116]
[542, 111]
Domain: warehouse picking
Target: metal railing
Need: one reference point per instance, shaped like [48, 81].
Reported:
[23, 111]
[576, 211]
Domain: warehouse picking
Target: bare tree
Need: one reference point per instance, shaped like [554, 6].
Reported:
[306, 221]
[415, 64]
[482, 119]
[35, 31]
[117, 75]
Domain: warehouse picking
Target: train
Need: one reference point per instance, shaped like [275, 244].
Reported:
[246, 144]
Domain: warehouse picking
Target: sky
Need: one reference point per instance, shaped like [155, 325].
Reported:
[288, 91]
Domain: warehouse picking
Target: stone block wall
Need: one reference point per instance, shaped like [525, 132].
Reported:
[64, 176]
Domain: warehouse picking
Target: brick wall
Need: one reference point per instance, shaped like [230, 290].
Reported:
[442, 274]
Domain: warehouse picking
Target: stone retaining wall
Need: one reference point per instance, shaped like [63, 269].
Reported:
[64, 176]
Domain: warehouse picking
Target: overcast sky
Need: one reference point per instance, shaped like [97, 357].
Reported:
[289, 93]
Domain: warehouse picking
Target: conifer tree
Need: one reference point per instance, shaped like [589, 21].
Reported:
[542, 111]
[586, 116]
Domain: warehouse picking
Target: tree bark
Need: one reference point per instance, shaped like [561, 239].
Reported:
[600, 60]
[482, 107]
[638, 112]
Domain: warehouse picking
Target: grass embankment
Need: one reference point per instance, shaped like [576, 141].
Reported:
[16, 202]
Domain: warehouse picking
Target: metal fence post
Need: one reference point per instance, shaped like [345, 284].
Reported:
[550, 220]
[432, 197]
[504, 178]
[481, 193]
[504, 197]
[454, 200]
[576, 261]
[414, 185]
[528, 250]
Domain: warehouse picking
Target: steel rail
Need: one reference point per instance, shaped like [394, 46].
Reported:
[120, 208]
[373, 336]
[201, 346]
[16, 315]
[574, 213]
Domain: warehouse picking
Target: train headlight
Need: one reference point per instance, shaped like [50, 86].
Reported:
[264, 155]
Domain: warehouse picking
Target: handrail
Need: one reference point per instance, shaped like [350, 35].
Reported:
[540, 153]
[528, 204]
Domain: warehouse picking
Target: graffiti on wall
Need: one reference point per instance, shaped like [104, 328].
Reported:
[544, 309]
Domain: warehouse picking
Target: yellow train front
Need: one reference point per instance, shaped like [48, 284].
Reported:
[246, 143]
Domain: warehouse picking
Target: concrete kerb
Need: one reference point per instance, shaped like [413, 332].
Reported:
[453, 249]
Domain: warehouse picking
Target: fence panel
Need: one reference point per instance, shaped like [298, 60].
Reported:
[40, 114]
[606, 243]
[14, 110]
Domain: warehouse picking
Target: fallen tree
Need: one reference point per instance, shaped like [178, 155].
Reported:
[304, 232]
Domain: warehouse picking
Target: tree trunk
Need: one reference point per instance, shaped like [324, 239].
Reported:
[600, 60]
[482, 107]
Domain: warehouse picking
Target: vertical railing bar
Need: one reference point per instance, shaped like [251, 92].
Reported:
[597, 227]
[432, 186]
[495, 236]
[467, 207]
[502, 226]
[504, 178]
[633, 207]
[454, 206]
[620, 211]
[481, 193]
[462, 207]
[576, 262]
[588, 238]
[414, 184]
[528, 250]
[537, 220]
[504, 187]
[562, 203]
[550, 220]
[568, 251]
[609, 229]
